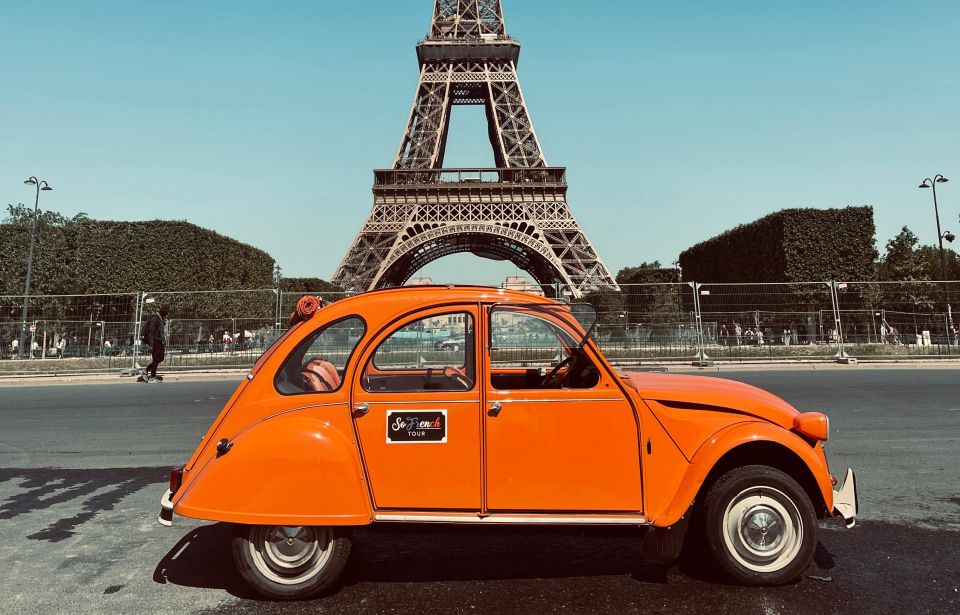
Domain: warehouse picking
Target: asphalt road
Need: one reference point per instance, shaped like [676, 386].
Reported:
[82, 469]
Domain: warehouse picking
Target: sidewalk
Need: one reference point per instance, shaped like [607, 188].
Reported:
[117, 378]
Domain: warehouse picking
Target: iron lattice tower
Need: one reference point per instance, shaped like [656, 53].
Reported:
[517, 211]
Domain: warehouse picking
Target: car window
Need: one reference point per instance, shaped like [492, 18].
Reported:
[530, 351]
[318, 363]
[435, 353]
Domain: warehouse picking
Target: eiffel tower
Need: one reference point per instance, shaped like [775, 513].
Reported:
[517, 211]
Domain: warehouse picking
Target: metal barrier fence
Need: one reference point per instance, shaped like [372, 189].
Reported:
[636, 325]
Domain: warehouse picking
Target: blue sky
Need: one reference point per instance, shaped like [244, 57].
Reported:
[264, 120]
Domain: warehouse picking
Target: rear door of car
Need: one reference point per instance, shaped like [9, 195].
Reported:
[416, 408]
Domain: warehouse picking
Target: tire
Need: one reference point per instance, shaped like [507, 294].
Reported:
[760, 525]
[290, 563]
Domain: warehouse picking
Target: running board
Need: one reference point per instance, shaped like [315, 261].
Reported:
[511, 519]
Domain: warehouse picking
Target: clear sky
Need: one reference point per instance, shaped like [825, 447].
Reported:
[677, 120]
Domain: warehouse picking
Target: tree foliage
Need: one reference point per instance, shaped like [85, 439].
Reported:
[652, 295]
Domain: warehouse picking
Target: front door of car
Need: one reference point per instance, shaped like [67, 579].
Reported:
[560, 433]
[416, 407]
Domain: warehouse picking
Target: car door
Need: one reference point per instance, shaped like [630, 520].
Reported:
[416, 407]
[560, 433]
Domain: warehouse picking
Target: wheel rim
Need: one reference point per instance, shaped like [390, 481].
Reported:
[289, 555]
[762, 529]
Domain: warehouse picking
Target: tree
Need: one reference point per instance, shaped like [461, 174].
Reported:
[904, 267]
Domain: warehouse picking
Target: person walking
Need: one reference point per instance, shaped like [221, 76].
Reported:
[154, 336]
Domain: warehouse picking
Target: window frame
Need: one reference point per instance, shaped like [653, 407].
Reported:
[373, 355]
[308, 341]
[566, 324]
[470, 309]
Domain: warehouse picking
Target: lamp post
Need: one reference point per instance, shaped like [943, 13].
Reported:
[41, 185]
[932, 183]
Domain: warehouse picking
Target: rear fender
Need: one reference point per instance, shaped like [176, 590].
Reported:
[297, 468]
[727, 440]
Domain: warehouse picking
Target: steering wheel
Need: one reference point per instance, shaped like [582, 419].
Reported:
[548, 380]
[458, 374]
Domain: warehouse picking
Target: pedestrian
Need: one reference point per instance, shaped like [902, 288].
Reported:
[737, 333]
[14, 348]
[154, 337]
[61, 346]
[883, 333]
[724, 335]
[227, 341]
[35, 348]
[956, 334]
[107, 347]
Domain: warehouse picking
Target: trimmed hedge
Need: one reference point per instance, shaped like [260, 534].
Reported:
[792, 245]
[90, 257]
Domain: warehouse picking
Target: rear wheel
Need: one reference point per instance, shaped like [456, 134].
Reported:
[289, 563]
[760, 525]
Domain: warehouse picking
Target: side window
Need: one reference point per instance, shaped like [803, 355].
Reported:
[317, 364]
[529, 351]
[435, 353]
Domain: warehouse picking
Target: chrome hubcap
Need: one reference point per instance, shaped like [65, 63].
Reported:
[290, 555]
[762, 529]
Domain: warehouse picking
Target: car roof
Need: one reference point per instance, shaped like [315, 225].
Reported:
[426, 295]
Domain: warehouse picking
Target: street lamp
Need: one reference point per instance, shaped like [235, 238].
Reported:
[932, 184]
[44, 186]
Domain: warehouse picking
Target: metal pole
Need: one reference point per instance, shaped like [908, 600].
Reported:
[702, 359]
[841, 356]
[938, 178]
[26, 290]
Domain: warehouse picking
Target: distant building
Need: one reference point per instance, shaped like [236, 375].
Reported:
[522, 284]
[419, 282]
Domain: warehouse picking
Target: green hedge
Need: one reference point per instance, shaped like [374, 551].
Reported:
[792, 245]
[89, 257]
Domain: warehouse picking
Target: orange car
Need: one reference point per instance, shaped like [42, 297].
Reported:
[484, 406]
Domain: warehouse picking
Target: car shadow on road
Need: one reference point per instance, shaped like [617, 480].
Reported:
[414, 553]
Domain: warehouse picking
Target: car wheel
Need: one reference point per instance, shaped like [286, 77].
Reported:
[290, 563]
[760, 525]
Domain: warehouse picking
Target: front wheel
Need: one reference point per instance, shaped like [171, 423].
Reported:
[290, 563]
[760, 525]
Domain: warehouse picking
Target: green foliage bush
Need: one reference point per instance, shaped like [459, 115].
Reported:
[792, 245]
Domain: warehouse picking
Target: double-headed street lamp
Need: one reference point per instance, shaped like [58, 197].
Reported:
[41, 185]
[932, 183]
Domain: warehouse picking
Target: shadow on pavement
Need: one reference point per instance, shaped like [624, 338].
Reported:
[47, 487]
[389, 554]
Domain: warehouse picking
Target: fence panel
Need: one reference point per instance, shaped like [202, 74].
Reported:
[645, 323]
[636, 324]
[790, 321]
[66, 332]
[214, 329]
[887, 320]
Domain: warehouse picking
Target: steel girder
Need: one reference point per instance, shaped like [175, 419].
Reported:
[519, 217]
[463, 19]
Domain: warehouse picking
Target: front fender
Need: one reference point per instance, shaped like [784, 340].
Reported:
[730, 438]
[296, 468]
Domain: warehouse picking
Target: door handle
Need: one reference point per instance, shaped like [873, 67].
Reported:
[361, 409]
[495, 408]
